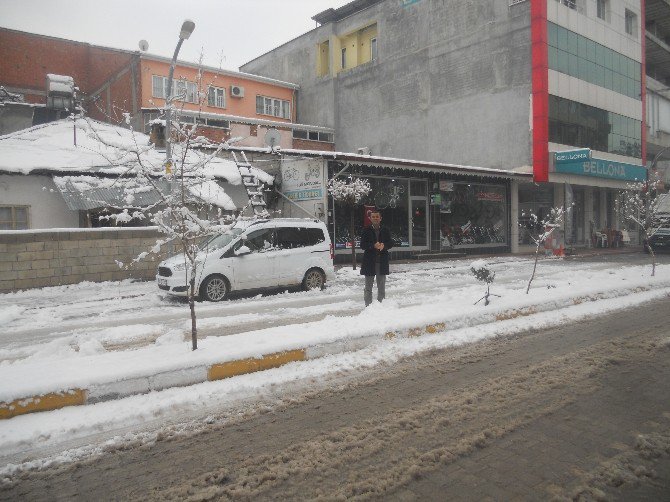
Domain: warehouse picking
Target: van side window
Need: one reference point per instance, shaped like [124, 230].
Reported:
[297, 237]
[259, 241]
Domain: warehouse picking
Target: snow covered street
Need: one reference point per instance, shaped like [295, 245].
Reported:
[110, 335]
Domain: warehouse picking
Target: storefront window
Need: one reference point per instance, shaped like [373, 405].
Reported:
[391, 197]
[472, 214]
[534, 200]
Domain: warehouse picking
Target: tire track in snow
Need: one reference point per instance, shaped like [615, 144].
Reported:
[378, 456]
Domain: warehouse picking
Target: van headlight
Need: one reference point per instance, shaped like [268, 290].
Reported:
[179, 267]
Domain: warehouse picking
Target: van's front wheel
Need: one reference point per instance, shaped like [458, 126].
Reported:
[314, 279]
[214, 288]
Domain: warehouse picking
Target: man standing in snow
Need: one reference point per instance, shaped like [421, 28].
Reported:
[375, 242]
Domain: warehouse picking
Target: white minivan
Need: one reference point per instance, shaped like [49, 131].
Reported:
[265, 253]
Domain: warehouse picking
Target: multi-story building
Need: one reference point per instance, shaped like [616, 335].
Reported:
[114, 82]
[657, 53]
[507, 85]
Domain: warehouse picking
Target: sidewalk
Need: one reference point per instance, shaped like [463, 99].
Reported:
[37, 385]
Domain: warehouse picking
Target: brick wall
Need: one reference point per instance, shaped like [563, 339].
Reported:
[53, 258]
[306, 144]
[26, 58]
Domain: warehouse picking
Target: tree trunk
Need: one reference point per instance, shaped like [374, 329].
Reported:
[191, 304]
[653, 263]
[352, 227]
[537, 255]
[653, 260]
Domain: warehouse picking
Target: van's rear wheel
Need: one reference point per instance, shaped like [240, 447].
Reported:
[214, 288]
[314, 279]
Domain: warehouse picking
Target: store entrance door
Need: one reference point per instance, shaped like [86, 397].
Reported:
[419, 221]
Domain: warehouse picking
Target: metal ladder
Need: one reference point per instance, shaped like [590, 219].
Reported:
[252, 185]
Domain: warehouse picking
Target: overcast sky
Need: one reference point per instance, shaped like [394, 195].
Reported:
[228, 32]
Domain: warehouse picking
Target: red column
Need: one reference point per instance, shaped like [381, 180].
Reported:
[643, 81]
[540, 89]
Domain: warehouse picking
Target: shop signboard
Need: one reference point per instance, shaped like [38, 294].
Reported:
[572, 156]
[583, 164]
[490, 196]
[302, 180]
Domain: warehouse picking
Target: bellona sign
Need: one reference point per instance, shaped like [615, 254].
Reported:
[582, 163]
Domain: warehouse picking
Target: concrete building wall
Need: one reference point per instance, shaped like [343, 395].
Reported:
[47, 208]
[39, 259]
[451, 82]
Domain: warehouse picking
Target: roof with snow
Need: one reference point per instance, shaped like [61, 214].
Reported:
[86, 146]
[399, 163]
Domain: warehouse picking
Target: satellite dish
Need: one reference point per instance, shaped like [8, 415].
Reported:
[144, 45]
[272, 138]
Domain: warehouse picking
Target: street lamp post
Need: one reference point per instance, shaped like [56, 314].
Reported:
[187, 28]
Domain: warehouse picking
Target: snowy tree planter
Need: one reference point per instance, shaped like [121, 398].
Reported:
[350, 192]
[644, 205]
[547, 227]
[483, 274]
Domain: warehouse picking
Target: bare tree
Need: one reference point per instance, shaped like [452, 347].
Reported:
[546, 227]
[186, 203]
[350, 191]
[647, 207]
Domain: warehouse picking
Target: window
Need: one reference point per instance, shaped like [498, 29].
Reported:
[223, 124]
[569, 3]
[148, 119]
[181, 89]
[373, 49]
[191, 92]
[579, 125]
[631, 23]
[158, 89]
[14, 217]
[297, 237]
[259, 241]
[343, 61]
[580, 57]
[323, 62]
[216, 97]
[326, 137]
[601, 9]
[274, 107]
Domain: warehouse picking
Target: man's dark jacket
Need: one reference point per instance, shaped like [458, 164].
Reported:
[368, 246]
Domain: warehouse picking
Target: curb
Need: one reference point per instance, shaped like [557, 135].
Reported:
[218, 371]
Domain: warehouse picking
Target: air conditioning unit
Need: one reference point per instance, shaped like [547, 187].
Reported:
[364, 151]
[236, 91]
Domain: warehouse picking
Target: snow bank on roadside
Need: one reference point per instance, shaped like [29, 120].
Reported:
[453, 307]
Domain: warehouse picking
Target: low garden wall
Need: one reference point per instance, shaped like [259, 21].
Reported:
[54, 257]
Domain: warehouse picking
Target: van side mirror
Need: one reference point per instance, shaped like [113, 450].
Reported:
[242, 250]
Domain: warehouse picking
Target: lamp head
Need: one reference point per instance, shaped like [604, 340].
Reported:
[186, 29]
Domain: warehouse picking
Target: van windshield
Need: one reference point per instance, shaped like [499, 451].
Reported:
[221, 240]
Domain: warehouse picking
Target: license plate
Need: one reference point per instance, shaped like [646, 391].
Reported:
[162, 282]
